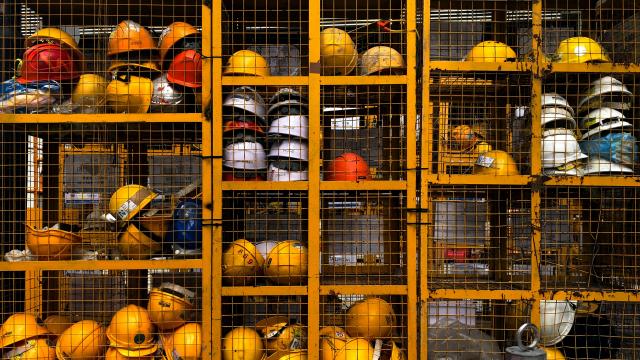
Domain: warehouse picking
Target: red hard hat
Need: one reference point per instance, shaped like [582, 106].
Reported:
[48, 62]
[242, 125]
[347, 167]
[186, 69]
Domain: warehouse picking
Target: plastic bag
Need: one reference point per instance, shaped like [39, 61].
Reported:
[618, 147]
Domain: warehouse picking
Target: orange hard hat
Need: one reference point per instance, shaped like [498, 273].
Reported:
[172, 34]
[186, 69]
[347, 167]
[44, 62]
[130, 36]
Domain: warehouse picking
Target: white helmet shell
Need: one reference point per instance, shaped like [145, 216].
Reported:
[557, 115]
[274, 173]
[559, 147]
[556, 320]
[290, 149]
[264, 247]
[285, 94]
[246, 155]
[602, 119]
[553, 100]
[611, 88]
[291, 125]
[247, 99]
[597, 165]
[165, 97]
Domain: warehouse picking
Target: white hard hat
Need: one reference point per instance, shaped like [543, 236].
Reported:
[245, 155]
[165, 97]
[602, 119]
[615, 91]
[275, 173]
[285, 94]
[556, 320]
[560, 147]
[557, 117]
[290, 149]
[597, 165]
[246, 99]
[553, 100]
[264, 247]
[290, 125]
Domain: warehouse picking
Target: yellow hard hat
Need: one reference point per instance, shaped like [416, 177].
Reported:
[491, 51]
[57, 35]
[169, 304]
[131, 330]
[91, 90]
[580, 49]
[332, 339]
[19, 327]
[56, 324]
[355, 349]
[288, 355]
[32, 349]
[338, 54]
[241, 261]
[136, 244]
[391, 351]
[129, 94]
[483, 147]
[463, 137]
[149, 69]
[371, 318]
[247, 63]
[172, 34]
[495, 162]
[115, 354]
[130, 36]
[82, 340]
[280, 335]
[287, 262]
[553, 353]
[127, 201]
[380, 60]
[51, 244]
[242, 343]
[185, 343]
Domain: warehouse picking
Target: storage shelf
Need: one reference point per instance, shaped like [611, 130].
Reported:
[101, 265]
[99, 118]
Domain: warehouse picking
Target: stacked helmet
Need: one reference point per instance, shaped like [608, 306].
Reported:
[580, 49]
[556, 112]
[173, 37]
[288, 161]
[287, 101]
[332, 339]
[19, 327]
[54, 35]
[132, 332]
[242, 343]
[137, 243]
[32, 349]
[186, 227]
[288, 126]
[338, 54]
[186, 69]
[495, 162]
[556, 320]
[247, 156]
[602, 119]
[89, 91]
[51, 244]
[287, 263]
[245, 101]
[185, 343]
[280, 335]
[56, 324]
[130, 36]
[82, 340]
[165, 97]
[169, 305]
[241, 261]
[129, 200]
[606, 92]
[129, 93]
[247, 63]
[347, 167]
[240, 127]
[44, 62]
[381, 60]
[355, 348]
[372, 318]
[491, 51]
[561, 152]
[599, 166]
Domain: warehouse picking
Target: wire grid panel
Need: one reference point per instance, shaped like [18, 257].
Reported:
[457, 27]
[74, 192]
[363, 238]
[474, 113]
[133, 57]
[370, 323]
[265, 38]
[364, 132]
[581, 32]
[131, 309]
[265, 238]
[263, 325]
[468, 234]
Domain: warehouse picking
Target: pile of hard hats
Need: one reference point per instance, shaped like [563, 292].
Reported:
[24, 336]
[607, 134]
[284, 262]
[561, 155]
[288, 135]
